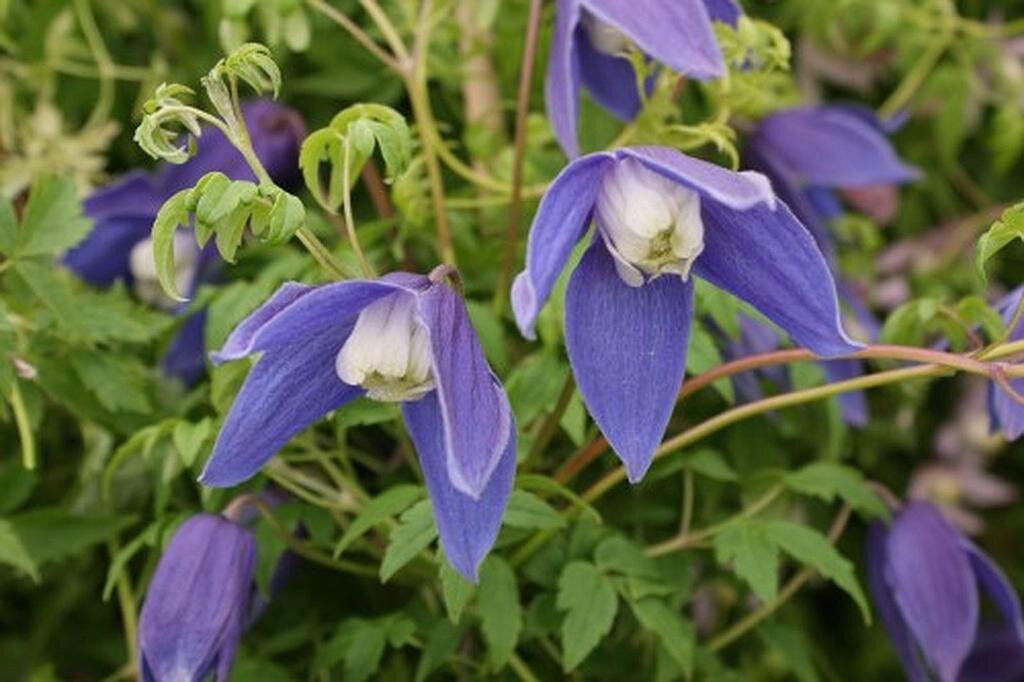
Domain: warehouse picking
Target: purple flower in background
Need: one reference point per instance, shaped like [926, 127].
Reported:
[1007, 415]
[808, 152]
[118, 247]
[924, 577]
[198, 602]
[629, 303]
[591, 38]
[403, 338]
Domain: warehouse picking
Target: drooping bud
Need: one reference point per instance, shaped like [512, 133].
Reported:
[388, 352]
[143, 267]
[651, 224]
[605, 38]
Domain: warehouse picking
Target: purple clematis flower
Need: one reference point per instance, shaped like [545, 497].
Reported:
[590, 41]
[808, 152]
[198, 602]
[118, 247]
[659, 215]
[402, 338]
[924, 577]
[1006, 414]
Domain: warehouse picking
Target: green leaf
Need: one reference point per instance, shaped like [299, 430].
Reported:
[287, 215]
[1009, 227]
[619, 555]
[8, 227]
[812, 548]
[677, 634]
[414, 533]
[172, 214]
[497, 604]
[118, 382]
[456, 590]
[828, 480]
[360, 643]
[712, 464]
[53, 219]
[50, 534]
[753, 555]
[589, 599]
[14, 553]
[389, 503]
[441, 643]
[703, 355]
[526, 510]
[189, 439]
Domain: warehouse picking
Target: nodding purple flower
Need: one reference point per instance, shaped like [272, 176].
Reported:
[402, 338]
[1006, 414]
[118, 248]
[808, 152]
[660, 215]
[591, 40]
[198, 602]
[924, 577]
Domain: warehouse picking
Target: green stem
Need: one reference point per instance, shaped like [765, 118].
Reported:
[356, 32]
[686, 513]
[390, 33]
[308, 551]
[785, 594]
[520, 668]
[128, 607]
[350, 223]
[24, 426]
[912, 81]
[104, 64]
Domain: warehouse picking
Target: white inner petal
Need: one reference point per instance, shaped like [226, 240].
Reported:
[143, 267]
[604, 37]
[388, 351]
[651, 224]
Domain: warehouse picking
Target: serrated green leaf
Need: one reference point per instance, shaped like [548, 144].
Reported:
[171, 215]
[589, 599]
[811, 547]
[118, 382]
[828, 480]
[456, 590]
[1009, 227]
[53, 219]
[414, 533]
[497, 603]
[526, 510]
[391, 502]
[619, 555]
[442, 641]
[753, 555]
[677, 634]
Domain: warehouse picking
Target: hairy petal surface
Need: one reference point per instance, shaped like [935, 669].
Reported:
[475, 412]
[933, 584]
[561, 221]
[627, 346]
[299, 332]
[467, 527]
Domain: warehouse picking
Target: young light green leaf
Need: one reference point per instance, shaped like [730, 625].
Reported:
[414, 533]
[753, 555]
[589, 599]
[812, 548]
[8, 227]
[501, 618]
[827, 480]
[389, 503]
[170, 216]
[1009, 227]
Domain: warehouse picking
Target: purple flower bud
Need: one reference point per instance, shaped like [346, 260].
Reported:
[198, 602]
[1007, 415]
[924, 577]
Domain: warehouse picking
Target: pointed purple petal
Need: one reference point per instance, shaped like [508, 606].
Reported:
[294, 382]
[467, 527]
[192, 617]
[933, 585]
[627, 347]
[1007, 414]
[726, 11]
[185, 358]
[854, 404]
[829, 146]
[676, 33]
[769, 260]
[104, 255]
[475, 412]
[997, 586]
[561, 221]
[888, 611]
[610, 80]
[562, 82]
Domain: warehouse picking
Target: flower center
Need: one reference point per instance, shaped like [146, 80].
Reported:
[605, 38]
[651, 224]
[388, 352]
[143, 267]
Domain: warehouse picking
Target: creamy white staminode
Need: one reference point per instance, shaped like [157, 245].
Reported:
[388, 352]
[604, 37]
[651, 224]
[147, 286]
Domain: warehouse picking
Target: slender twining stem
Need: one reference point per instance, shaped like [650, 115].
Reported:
[127, 605]
[515, 208]
[519, 667]
[356, 32]
[104, 64]
[686, 513]
[744, 625]
[308, 551]
[24, 426]
[390, 33]
[910, 84]
[350, 223]
[684, 539]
